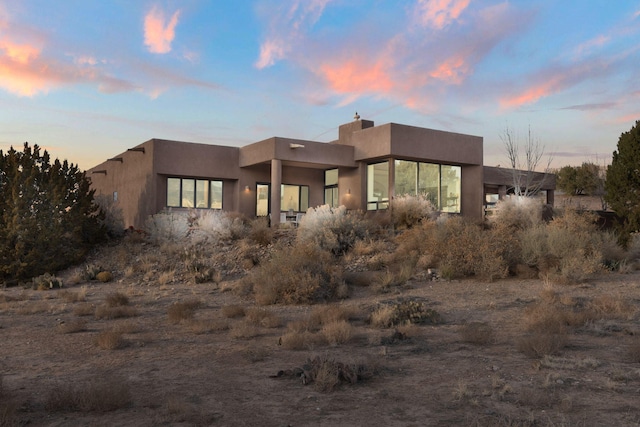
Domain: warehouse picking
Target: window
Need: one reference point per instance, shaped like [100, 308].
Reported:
[194, 193]
[377, 186]
[331, 188]
[292, 197]
[439, 183]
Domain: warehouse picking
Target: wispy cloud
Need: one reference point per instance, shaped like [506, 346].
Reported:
[439, 13]
[159, 31]
[287, 25]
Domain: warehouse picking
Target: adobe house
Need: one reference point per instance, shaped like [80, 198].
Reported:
[279, 177]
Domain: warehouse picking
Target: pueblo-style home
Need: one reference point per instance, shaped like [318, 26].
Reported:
[281, 177]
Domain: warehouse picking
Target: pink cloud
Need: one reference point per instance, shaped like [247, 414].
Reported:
[532, 94]
[158, 31]
[439, 13]
[356, 77]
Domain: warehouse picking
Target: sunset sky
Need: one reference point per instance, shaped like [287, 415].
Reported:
[88, 79]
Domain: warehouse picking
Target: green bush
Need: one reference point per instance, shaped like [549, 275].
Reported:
[48, 220]
[299, 274]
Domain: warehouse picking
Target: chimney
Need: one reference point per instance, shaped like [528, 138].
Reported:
[345, 131]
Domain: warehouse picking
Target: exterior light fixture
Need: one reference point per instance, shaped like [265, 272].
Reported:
[246, 188]
[292, 145]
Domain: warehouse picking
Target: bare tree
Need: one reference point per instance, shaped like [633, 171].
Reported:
[525, 159]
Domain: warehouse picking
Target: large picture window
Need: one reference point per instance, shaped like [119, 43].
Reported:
[292, 198]
[194, 193]
[439, 183]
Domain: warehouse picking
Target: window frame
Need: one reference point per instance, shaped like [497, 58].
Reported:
[195, 181]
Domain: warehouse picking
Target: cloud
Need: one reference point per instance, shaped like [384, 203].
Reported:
[592, 106]
[158, 31]
[287, 26]
[439, 13]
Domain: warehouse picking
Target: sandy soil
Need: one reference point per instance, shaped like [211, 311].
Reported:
[188, 374]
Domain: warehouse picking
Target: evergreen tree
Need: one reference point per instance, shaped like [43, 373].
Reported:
[47, 216]
[623, 182]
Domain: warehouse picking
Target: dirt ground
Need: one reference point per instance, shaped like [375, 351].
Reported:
[215, 370]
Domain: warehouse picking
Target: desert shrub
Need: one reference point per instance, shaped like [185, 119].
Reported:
[179, 311]
[212, 226]
[260, 232]
[397, 313]
[478, 333]
[99, 394]
[337, 332]
[104, 311]
[199, 264]
[84, 309]
[233, 311]
[110, 339]
[244, 330]
[167, 226]
[609, 307]
[205, 326]
[300, 274]
[408, 210]
[300, 340]
[331, 229]
[72, 326]
[104, 276]
[458, 248]
[46, 281]
[539, 344]
[324, 314]
[71, 296]
[262, 317]
[327, 374]
[517, 213]
[569, 247]
[116, 299]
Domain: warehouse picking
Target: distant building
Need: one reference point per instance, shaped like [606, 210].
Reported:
[278, 177]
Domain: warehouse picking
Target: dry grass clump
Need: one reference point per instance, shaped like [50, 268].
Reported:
[73, 296]
[404, 312]
[262, 317]
[179, 311]
[300, 274]
[337, 332]
[260, 232]
[72, 326]
[35, 307]
[104, 276]
[300, 340]
[610, 307]
[116, 299]
[244, 330]
[478, 333]
[104, 311]
[324, 314]
[233, 311]
[206, 326]
[327, 374]
[538, 344]
[84, 309]
[101, 394]
[110, 339]
[394, 278]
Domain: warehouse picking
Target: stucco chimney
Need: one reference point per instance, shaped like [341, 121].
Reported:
[345, 131]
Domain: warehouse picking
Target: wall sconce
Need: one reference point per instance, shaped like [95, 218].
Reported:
[247, 188]
[348, 192]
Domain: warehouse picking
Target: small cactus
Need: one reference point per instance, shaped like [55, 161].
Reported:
[46, 281]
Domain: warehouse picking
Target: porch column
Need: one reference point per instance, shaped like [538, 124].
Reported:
[392, 180]
[276, 182]
[550, 197]
[502, 192]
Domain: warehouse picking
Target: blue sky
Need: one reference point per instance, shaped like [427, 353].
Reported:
[89, 79]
